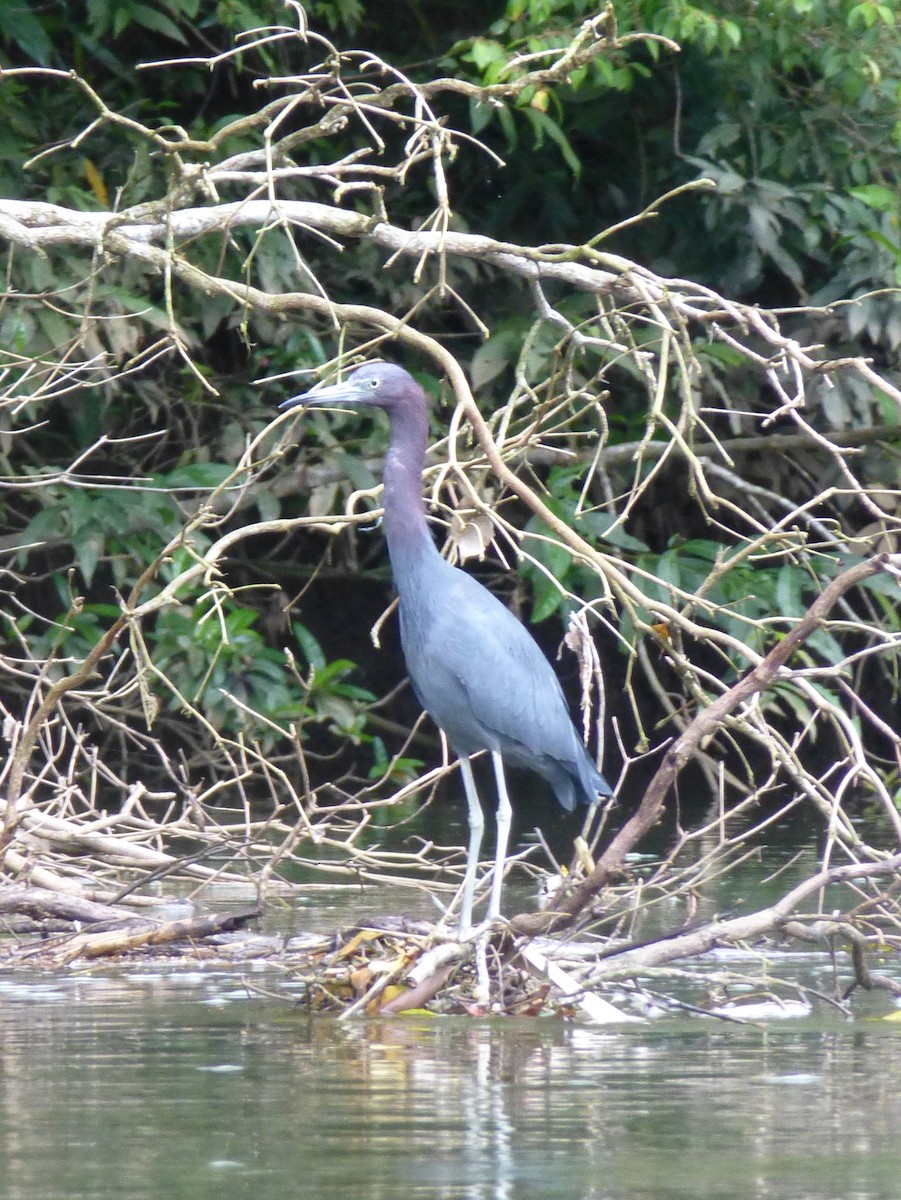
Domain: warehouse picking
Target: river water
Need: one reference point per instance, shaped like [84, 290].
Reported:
[139, 1083]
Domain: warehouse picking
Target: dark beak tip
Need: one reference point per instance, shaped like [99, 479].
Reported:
[293, 402]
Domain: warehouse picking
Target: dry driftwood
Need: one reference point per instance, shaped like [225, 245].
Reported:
[704, 725]
[146, 933]
[40, 903]
[121, 930]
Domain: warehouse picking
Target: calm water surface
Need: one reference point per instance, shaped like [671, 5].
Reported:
[179, 1084]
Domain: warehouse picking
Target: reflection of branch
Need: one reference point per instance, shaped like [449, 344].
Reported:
[705, 725]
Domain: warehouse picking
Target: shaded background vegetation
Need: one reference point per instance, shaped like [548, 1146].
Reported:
[790, 107]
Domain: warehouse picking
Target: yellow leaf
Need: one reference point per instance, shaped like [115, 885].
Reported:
[359, 938]
[361, 980]
[391, 992]
[95, 183]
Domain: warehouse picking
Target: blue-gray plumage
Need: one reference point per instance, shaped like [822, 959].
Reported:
[473, 666]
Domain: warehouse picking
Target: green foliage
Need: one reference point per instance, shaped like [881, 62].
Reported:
[114, 17]
[791, 135]
[330, 697]
[205, 653]
[209, 656]
[212, 656]
[553, 571]
[748, 600]
[398, 769]
[790, 107]
[118, 525]
[24, 28]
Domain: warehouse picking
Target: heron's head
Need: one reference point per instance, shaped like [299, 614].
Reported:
[375, 384]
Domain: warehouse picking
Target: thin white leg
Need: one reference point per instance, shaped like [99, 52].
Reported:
[504, 815]
[476, 828]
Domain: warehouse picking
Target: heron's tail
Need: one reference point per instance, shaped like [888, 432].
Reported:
[594, 785]
[578, 783]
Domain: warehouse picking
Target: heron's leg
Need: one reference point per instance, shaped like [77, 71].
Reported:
[504, 814]
[476, 827]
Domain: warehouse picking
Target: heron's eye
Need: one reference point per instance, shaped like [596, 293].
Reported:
[372, 383]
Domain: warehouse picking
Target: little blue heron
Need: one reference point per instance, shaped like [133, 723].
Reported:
[473, 666]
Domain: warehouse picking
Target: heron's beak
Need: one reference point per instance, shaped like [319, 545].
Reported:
[335, 393]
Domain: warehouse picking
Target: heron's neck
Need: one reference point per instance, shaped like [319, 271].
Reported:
[406, 529]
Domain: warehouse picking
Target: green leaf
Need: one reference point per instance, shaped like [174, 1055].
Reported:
[494, 357]
[202, 475]
[556, 558]
[827, 647]
[151, 19]
[310, 648]
[598, 525]
[548, 598]
[669, 569]
[43, 526]
[874, 195]
[19, 25]
[268, 505]
[482, 53]
[239, 622]
[790, 592]
[121, 21]
[330, 674]
[88, 545]
[545, 125]
[480, 115]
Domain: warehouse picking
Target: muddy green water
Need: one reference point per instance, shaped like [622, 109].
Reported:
[179, 1084]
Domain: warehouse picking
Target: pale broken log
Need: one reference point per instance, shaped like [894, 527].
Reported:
[596, 1009]
[42, 903]
[143, 933]
[53, 881]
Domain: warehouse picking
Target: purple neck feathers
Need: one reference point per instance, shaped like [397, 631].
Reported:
[406, 528]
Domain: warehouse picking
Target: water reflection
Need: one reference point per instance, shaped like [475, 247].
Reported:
[180, 1084]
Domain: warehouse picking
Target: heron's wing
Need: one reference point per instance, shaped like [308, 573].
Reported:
[481, 675]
